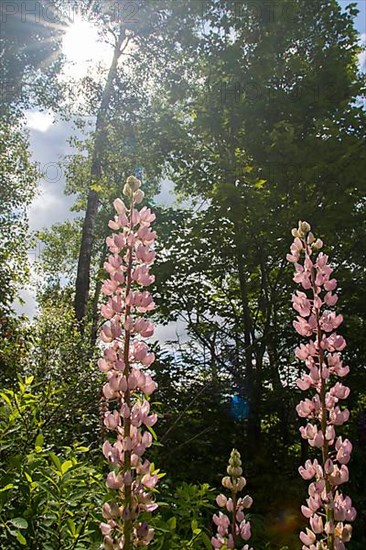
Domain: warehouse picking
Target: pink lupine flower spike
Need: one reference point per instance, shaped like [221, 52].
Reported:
[327, 510]
[129, 385]
[233, 527]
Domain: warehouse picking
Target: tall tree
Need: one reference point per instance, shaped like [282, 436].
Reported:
[17, 188]
[273, 126]
[29, 48]
[139, 37]
[30, 42]
[83, 271]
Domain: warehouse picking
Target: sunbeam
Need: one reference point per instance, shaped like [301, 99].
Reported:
[83, 48]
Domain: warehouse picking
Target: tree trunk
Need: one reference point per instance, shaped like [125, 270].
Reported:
[95, 313]
[83, 271]
[252, 384]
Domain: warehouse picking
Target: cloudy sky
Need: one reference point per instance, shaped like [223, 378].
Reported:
[49, 144]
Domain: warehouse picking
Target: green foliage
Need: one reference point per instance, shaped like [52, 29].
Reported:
[48, 498]
[58, 262]
[183, 520]
[29, 48]
[17, 188]
[60, 357]
[255, 163]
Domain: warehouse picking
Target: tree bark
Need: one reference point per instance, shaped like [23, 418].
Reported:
[252, 371]
[95, 309]
[83, 270]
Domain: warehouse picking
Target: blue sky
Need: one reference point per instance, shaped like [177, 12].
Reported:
[360, 22]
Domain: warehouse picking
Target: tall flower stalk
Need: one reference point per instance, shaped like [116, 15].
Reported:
[232, 526]
[328, 510]
[126, 356]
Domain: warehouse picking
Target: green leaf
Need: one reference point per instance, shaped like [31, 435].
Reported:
[206, 541]
[96, 187]
[19, 523]
[52, 481]
[72, 526]
[5, 398]
[260, 183]
[81, 449]
[65, 466]
[39, 441]
[153, 433]
[21, 539]
[55, 460]
[172, 522]
[28, 477]
[33, 485]
[7, 487]
[29, 380]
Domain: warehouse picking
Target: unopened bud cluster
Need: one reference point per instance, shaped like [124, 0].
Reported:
[327, 509]
[232, 532]
[132, 189]
[235, 482]
[129, 384]
[303, 232]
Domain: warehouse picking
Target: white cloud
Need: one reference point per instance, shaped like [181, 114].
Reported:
[166, 195]
[29, 307]
[174, 331]
[25, 302]
[48, 145]
[39, 121]
[362, 55]
[50, 207]
[362, 61]
[48, 148]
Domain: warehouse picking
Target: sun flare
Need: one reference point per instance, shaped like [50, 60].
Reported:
[83, 48]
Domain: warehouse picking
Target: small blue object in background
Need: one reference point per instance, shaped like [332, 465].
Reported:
[239, 408]
[138, 173]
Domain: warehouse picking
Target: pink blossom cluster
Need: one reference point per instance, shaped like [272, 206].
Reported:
[234, 529]
[327, 509]
[129, 385]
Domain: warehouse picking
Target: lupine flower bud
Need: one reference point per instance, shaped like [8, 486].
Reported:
[133, 183]
[227, 483]
[127, 191]
[138, 196]
[234, 471]
[304, 227]
[241, 483]
[322, 358]
[310, 238]
[318, 244]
